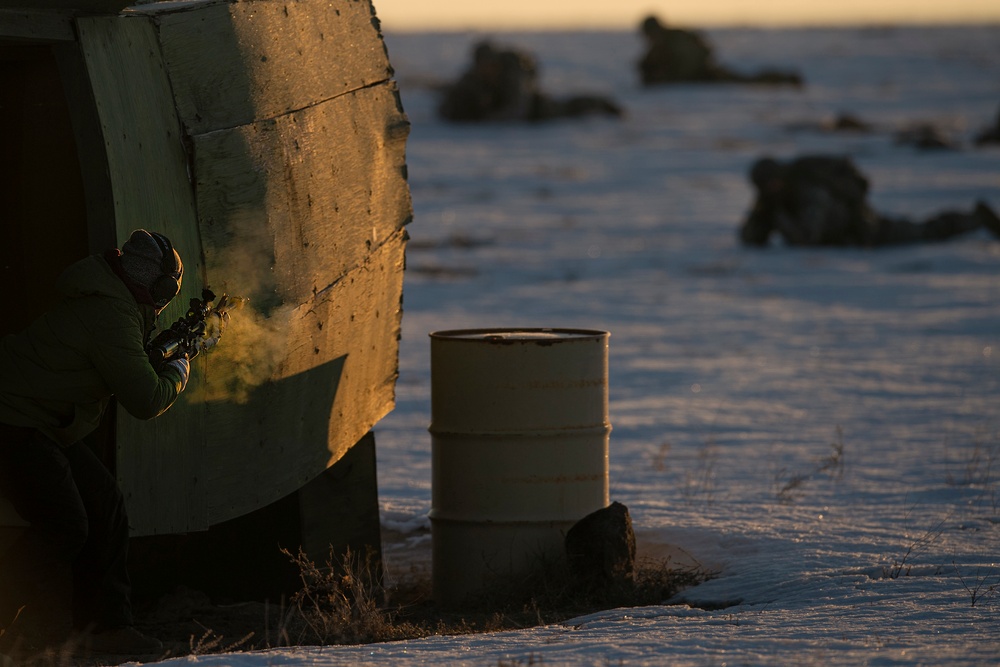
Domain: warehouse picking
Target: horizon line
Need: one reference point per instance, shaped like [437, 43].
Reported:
[708, 25]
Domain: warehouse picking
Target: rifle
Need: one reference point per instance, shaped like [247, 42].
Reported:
[199, 329]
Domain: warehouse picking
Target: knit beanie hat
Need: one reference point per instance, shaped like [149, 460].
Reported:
[150, 260]
[148, 256]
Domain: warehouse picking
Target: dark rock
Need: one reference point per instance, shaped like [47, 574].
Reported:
[925, 137]
[846, 122]
[601, 547]
[990, 135]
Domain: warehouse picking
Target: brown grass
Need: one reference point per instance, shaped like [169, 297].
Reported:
[344, 601]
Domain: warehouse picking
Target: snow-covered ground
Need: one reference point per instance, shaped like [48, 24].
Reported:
[821, 427]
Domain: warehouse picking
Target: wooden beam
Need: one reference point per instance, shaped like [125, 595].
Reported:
[36, 25]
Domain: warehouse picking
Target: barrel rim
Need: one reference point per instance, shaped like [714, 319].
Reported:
[482, 335]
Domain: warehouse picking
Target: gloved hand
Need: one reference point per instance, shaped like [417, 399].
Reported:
[182, 367]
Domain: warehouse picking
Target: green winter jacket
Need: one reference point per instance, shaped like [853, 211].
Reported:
[58, 374]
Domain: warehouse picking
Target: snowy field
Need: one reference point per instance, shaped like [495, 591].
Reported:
[819, 427]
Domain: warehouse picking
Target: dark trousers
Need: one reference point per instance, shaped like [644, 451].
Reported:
[73, 555]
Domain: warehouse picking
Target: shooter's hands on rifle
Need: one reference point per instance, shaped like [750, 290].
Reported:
[215, 326]
[217, 320]
[199, 330]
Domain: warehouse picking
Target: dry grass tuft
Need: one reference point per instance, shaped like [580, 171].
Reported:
[341, 603]
[344, 601]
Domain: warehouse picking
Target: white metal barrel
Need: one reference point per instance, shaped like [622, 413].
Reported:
[519, 448]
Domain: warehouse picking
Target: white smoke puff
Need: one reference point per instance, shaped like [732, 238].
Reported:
[249, 354]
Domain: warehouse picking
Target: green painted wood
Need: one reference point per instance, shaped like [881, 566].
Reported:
[234, 63]
[158, 461]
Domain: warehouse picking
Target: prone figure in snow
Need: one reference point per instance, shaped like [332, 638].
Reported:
[676, 55]
[820, 200]
[502, 85]
[66, 575]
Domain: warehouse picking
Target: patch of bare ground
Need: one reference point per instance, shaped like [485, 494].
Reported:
[350, 602]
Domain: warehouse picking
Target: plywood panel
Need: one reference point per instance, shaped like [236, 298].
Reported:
[233, 63]
[308, 195]
[334, 380]
[158, 460]
[291, 192]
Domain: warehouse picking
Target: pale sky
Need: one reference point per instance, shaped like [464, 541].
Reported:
[496, 14]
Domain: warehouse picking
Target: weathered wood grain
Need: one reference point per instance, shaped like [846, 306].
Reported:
[308, 196]
[234, 63]
[144, 142]
[333, 381]
[158, 461]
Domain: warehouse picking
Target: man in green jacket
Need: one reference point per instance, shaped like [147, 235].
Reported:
[56, 378]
